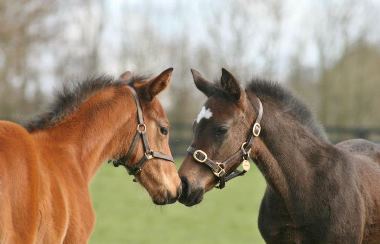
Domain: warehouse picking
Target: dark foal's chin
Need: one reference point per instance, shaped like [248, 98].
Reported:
[196, 181]
[190, 195]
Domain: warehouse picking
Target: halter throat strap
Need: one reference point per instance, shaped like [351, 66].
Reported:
[134, 169]
[218, 168]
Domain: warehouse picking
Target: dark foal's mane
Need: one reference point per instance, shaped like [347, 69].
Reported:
[288, 103]
[71, 96]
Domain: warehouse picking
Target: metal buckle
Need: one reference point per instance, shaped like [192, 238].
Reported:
[221, 171]
[243, 149]
[141, 128]
[148, 155]
[200, 160]
[256, 129]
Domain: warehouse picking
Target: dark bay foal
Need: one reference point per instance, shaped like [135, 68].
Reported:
[316, 192]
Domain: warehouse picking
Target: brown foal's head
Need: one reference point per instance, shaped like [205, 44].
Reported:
[158, 176]
[219, 130]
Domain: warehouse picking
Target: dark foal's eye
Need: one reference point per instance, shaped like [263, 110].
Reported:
[221, 130]
[164, 130]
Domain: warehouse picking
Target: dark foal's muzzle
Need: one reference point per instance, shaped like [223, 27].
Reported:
[190, 196]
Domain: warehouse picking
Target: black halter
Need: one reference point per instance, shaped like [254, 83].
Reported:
[141, 132]
[243, 153]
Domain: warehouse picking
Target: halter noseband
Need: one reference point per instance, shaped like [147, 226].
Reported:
[218, 168]
[140, 132]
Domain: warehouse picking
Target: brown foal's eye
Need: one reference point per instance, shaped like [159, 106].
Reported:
[164, 130]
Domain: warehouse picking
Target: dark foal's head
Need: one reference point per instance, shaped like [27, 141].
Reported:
[159, 177]
[219, 130]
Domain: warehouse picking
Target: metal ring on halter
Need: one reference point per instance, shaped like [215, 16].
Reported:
[200, 160]
[148, 155]
[256, 129]
[244, 150]
[141, 128]
[221, 171]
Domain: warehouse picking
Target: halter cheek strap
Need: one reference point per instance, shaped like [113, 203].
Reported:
[218, 168]
[135, 168]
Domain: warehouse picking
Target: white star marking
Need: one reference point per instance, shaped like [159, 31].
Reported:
[204, 114]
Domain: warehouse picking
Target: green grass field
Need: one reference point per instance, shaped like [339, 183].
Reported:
[126, 214]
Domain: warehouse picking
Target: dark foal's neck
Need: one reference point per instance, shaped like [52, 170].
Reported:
[291, 157]
[92, 133]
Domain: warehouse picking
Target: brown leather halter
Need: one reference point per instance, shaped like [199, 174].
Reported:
[218, 168]
[141, 132]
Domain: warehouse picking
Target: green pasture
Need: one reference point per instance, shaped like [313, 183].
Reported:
[126, 214]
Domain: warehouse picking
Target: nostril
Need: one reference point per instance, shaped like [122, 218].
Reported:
[185, 187]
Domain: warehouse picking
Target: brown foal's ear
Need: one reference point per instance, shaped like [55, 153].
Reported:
[158, 84]
[205, 86]
[126, 75]
[230, 84]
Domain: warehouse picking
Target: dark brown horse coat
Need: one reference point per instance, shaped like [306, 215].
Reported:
[336, 202]
[316, 192]
[45, 171]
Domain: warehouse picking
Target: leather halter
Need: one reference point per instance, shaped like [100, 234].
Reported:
[134, 169]
[218, 168]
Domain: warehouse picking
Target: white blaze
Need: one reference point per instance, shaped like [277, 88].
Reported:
[204, 114]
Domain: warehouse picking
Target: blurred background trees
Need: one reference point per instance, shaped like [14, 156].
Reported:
[23, 31]
[328, 52]
[353, 88]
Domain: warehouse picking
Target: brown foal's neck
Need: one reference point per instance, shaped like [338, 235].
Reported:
[96, 131]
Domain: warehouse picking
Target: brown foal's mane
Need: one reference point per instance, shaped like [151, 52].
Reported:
[68, 99]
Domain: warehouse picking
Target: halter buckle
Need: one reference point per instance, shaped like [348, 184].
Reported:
[148, 155]
[141, 128]
[245, 152]
[200, 152]
[221, 171]
[256, 129]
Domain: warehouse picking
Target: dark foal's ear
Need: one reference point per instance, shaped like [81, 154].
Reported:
[205, 86]
[126, 75]
[230, 84]
[158, 84]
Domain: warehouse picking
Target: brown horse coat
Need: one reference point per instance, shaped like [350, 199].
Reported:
[44, 194]
[45, 171]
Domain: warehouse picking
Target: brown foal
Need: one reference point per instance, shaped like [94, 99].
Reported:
[47, 166]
